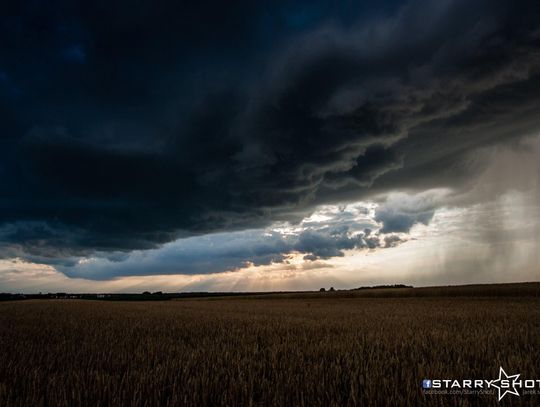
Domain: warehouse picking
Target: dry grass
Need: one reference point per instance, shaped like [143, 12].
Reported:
[324, 351]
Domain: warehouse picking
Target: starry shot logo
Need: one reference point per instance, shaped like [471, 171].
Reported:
[503, 385]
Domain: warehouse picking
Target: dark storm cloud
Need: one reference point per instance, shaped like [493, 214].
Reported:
[395, 221]
[328, 233]
[127, 125]
[400, 212]
[230, 251]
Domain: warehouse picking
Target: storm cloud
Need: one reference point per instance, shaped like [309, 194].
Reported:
[327, 233]
[128, 126]
[219, 252]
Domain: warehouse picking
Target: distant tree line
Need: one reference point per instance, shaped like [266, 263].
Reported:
[384, 286]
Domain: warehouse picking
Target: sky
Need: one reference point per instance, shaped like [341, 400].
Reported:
[246, 146]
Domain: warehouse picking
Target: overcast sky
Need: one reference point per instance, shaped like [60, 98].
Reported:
[247, 146]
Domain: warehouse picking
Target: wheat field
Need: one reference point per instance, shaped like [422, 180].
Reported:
[318, 351]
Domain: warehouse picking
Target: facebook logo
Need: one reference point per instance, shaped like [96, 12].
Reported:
[426, 384]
